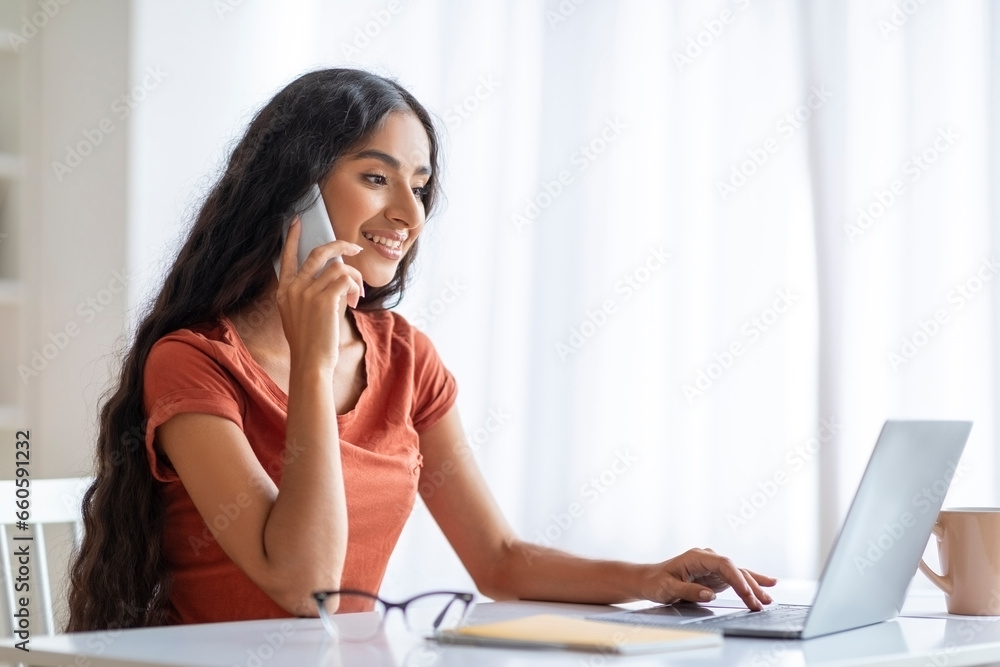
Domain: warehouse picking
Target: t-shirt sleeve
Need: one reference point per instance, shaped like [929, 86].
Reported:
[434, 388]
[183, 377]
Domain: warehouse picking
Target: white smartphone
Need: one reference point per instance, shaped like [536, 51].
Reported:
[316, 227]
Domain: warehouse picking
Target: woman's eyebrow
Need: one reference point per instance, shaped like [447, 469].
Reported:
[388, 160]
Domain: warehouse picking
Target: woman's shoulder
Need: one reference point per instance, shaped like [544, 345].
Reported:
[392, 333]
[213, 338]
[403, 349]
[200, 361]
[385, 323]
[206, 330]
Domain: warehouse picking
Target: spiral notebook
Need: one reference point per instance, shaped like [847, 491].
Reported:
[551, 631]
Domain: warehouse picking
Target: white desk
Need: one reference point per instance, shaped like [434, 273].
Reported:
[918, 642]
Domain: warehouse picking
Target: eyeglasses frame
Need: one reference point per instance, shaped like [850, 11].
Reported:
[321, 596]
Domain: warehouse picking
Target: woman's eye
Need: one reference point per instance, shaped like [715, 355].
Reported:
[380, 179]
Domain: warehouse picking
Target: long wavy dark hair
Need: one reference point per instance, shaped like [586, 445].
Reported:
[118, 578]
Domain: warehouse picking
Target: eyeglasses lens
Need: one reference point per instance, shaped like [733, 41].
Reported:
[428, 614]
[339, 614]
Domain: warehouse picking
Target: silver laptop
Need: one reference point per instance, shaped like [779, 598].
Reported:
[875, 555]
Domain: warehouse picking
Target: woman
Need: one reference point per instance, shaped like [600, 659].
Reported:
[231, 481]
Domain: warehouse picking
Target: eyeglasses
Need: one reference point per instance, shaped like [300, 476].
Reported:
[425, 614]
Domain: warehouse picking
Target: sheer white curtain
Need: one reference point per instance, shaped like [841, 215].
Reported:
[902, 210]
[741, 139]
[668, 325]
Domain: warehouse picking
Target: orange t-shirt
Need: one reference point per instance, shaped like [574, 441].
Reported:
[208, 369]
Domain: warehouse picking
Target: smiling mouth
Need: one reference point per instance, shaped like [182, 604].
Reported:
[393, 244]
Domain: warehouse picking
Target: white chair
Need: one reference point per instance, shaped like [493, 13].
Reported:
[52, 501]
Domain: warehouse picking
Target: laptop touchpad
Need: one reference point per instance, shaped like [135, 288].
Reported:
[671, 614]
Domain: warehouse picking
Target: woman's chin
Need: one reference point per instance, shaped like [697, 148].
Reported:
[374, 276]
[376, 281]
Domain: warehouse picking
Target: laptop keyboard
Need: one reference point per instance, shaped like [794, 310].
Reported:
[782, 616]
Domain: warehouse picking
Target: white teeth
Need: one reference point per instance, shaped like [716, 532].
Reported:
[389, 243]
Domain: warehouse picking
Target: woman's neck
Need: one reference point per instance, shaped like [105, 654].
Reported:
[259, 325]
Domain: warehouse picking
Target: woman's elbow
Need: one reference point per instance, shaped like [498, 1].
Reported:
[499, 580]
[293, 592]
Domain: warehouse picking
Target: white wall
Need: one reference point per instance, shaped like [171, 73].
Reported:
[75, 231]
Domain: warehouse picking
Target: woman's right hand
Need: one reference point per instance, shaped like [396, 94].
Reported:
[312, 306]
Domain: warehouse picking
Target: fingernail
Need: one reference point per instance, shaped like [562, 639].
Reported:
[362, 289]
[357, 248]
[706, 595]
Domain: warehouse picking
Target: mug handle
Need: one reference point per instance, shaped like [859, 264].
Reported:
[944, 583]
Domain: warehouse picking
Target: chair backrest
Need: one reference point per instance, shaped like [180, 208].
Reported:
[50, 501]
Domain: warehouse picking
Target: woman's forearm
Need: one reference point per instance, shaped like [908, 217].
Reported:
[531, 572]
[305, 537]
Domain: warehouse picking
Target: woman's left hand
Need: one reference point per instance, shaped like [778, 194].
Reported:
[698, 574]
